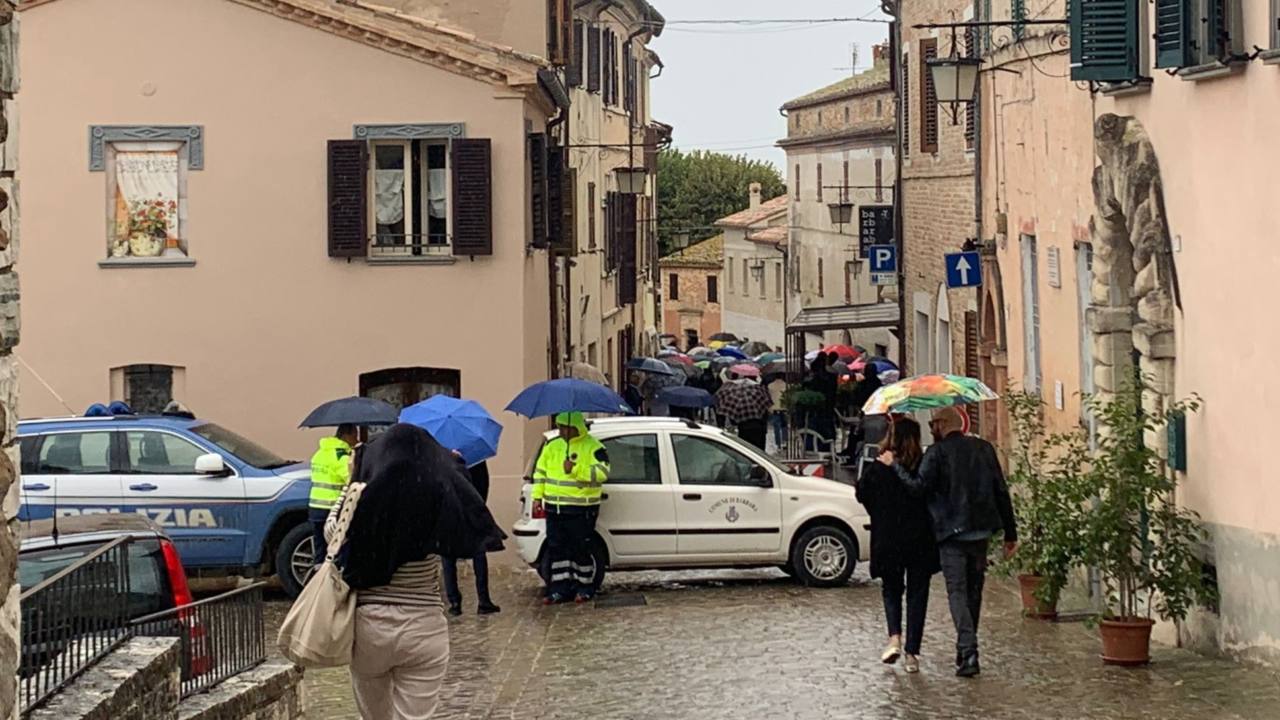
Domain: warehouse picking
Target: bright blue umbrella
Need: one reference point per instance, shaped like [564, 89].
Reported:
[461, 425]
[686, 397]
[733, 352]
[567, 395]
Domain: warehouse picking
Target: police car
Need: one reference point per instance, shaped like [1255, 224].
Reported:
[230, 506]
[685, 495]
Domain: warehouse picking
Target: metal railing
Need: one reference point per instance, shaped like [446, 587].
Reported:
[71, 620]
[221, 636]
[414, 244]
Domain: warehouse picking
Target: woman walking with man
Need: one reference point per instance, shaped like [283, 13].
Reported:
[904, 554]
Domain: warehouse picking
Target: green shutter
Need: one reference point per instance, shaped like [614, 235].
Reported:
[1173, 34]
[1104, 40]
[1217, 33]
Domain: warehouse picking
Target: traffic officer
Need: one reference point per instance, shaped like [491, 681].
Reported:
[330, 472]
[567, 484]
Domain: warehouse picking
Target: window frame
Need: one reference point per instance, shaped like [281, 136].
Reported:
[713, 289]
[112, 451]
[407, 248]
[183, 151]
[673, 292]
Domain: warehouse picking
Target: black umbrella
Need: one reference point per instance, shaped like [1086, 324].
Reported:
[686, 397]
[724, 337]
[352, 411]
[650, 365]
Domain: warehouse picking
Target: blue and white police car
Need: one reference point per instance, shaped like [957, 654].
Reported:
[230, 505]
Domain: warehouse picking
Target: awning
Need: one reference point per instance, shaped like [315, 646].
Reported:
[844, 317]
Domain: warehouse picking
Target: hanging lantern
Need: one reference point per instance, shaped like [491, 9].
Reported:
[631, 180]
[954, 78]
[841, 213]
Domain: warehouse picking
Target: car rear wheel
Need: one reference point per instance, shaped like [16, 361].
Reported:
[295, 559]
[823, 556]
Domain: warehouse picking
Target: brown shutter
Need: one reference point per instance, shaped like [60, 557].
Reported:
[905, 102]
[626, 242]
[567, 45]
[819, 181]
[593, 59]
[879, 180]
[591, 216]
[348, 199]
[538, 215]
[971, 366]
[558, 195]
[971, 107]
[573, 73]
[928, 98]
[651, 150]
[673, 285]
[471, 159]
[628, 82]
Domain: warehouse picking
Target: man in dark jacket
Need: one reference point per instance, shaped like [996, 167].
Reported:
[961, 479]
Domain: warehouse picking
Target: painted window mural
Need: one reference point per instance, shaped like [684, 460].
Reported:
[147, 195]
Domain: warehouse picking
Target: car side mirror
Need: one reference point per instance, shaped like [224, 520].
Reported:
[760, 476]
[211, 464]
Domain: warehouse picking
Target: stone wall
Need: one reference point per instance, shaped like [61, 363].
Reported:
[9, 635]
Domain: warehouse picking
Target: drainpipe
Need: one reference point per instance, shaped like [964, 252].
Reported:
[895, 72]
[559, 354]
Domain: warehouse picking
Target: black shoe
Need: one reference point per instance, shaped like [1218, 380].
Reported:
[959, 658]
[969, 668]
[487, 608]
[455, 609]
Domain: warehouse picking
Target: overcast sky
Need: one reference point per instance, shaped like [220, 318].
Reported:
[723, 84]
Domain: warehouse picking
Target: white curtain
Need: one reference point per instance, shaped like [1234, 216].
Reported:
[142, 176]
[389, 194]
[435, 192]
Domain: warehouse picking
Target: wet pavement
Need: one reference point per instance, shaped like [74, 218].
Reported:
[750, 644]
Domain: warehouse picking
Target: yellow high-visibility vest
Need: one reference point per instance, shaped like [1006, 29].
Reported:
[330, 472]
[581, 487]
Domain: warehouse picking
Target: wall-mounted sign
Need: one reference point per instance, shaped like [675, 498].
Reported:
[875, 227]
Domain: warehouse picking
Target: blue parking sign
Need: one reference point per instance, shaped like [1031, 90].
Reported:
[964, 269]
[884, 258]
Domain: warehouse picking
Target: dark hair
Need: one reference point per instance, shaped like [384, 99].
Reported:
[346, 430]
[903, 439]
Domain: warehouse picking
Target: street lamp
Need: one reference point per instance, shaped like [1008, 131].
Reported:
[841, 213]
[955, 79]
[631, 180]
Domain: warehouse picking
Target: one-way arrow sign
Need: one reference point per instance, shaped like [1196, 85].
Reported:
[964, 269]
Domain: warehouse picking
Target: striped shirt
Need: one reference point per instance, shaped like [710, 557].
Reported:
[415, 584]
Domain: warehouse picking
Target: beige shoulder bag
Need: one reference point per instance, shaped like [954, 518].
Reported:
[320, 627]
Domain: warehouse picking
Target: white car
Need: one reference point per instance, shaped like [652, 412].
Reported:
[685, 495]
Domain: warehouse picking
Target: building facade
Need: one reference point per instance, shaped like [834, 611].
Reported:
[265, 247]
[10, 638]
[691, 289]
[938, 196]
[840, 152]
[755, 247]
[609, 273]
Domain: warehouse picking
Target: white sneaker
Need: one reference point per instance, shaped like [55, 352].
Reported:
[891, 653]
[910, 663]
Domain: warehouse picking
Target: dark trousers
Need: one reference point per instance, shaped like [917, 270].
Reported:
[480, 564]
[964, 566]
[915, 583]
[753, 431]
[319, 546]
[569, 536]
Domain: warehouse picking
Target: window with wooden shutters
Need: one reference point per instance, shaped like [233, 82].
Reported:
[971, 367]
[559, 193]
[879, 180]
[971, 107]
[822, 291]
[348, 199]
[673, 286]
[626, 241]
[593, 58]
[1175, 47]
[905, 104]
[819, 181]
[471, 159]
[611, 50]
[844, 185]
[573, 72]
[1223, 33]
[713, 289]
[537, 153]
[1104, 40]
[928, 98]
[797, 181]
[628, 82]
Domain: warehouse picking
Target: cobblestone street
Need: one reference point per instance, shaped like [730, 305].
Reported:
[754, 645]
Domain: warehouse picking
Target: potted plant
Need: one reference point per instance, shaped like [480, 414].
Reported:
[1047, 485]
[149, 226]
[1143, 545]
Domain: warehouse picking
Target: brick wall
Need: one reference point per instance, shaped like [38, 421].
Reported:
[691, 310]
[9, 636]
[938, 190]
[830, 116]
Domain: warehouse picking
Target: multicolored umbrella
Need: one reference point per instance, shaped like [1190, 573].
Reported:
[925, 392]
[844, 352]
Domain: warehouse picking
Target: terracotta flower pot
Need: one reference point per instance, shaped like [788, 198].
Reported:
[1126, 641]
[1032, 606]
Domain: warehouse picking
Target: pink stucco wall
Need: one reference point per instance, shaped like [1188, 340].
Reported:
[266, 324]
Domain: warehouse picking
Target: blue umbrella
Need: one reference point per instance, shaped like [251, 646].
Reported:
[650, 365]
[567, 395]
[733, 352]
[351, 411]
[461, 425]
[686, 397]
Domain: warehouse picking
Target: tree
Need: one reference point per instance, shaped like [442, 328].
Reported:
[697, 188]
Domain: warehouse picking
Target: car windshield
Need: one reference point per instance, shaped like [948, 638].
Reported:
[247, 450]
[753, 452]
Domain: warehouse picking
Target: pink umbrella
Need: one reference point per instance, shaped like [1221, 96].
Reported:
[745, 370]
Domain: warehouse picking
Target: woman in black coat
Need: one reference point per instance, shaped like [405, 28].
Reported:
[479, 476]
[904, 554]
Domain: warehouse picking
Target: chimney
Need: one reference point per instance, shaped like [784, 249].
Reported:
[755, 194]
[880, 54]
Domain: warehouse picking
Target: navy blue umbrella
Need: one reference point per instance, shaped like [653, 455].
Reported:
[733, 352]
[352, 411]
[686, 397]
[567, 395]
[650, 365]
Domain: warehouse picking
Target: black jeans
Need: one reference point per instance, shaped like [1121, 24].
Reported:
[964, 566]
[569, 536]
[480, 564]
[318, 545]
[915, 583]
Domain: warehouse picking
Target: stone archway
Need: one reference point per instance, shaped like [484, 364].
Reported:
[1135, 287]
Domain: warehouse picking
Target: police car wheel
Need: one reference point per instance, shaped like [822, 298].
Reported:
[823, 556]
[295, 559]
